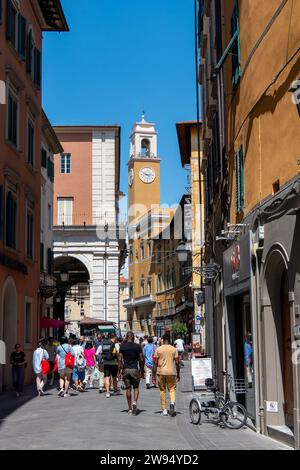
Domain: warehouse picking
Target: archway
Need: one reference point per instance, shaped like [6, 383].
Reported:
[73, 296]
[145, 148]
[276, 328]
[8, 327]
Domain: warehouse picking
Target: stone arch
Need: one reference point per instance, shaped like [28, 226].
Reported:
[82, 258]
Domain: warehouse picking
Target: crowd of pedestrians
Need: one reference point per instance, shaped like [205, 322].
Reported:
[108, 361]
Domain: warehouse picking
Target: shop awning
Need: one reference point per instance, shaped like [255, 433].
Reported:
[47, 322]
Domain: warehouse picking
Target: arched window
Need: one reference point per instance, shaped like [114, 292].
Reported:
[145, 148]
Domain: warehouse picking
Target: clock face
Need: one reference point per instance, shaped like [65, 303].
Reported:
[130, 177]
[147, 175]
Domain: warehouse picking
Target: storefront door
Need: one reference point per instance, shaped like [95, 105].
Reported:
[287, 369]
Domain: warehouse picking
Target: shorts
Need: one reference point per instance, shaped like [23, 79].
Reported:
[78, 374]
[131, 377]
[65, 371]
[111, 370]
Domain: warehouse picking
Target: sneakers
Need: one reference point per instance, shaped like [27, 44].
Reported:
[100, 390]
[130, 412]
[172, 410]
[148, 386]
[134, 408]
[164, 413]
[41, 393]
[66, 395]
[107, 395]
[61, 392]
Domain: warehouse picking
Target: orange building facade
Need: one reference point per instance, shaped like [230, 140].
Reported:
[21, 28]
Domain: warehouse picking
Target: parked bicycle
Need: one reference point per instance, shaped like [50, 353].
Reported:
[232, 414]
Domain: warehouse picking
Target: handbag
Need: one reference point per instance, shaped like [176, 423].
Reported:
[45, 367]
[69, 360]
[96, 374]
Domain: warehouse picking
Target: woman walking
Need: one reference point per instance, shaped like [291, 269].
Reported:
[90, 356]
[40, 355]
[18, 362]
[66, 362]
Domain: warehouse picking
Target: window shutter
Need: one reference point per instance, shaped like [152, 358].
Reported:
[29, 53]
[52, 172]
[49, 168]
[9, 31]
[49, 261]
[37, 68]
[242, 178]
[236, 53]
[42, 257]
[1, 212]
[44, 158]
[1, 11]
[22, 36]
[237, 182]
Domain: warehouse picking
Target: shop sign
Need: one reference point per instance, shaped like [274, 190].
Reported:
[201, 370]
[236, 262]
[272, 406]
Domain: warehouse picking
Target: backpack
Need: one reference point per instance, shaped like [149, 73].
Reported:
[80, 362]
[107, 351]
[69, 360]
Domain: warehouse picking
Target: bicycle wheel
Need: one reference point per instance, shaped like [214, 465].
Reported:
[234, 415]
[195, 411]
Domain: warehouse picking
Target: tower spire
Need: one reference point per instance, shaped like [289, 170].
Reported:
[143, 114]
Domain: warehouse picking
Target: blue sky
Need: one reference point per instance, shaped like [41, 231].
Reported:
[119, 56]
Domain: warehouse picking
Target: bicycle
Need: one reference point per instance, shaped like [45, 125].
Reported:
[232, 414]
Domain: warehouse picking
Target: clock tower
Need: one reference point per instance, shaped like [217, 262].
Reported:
[143, 170]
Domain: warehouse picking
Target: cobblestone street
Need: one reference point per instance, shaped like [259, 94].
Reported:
[92, 422]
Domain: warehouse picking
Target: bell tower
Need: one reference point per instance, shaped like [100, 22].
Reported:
[143, 169]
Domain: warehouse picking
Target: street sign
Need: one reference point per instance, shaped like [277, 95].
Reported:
[198, 317]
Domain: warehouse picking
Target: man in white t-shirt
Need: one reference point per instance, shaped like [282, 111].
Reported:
[179, 345]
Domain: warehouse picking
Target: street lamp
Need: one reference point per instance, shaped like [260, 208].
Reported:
[182, 252]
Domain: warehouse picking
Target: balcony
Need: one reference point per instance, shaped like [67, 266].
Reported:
[84, 219]
[139, 301]
[147, 156]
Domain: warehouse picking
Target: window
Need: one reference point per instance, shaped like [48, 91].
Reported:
[159, 254]
[173, 278]
[42, 258]
[145, 148]
[142, 287]
[1, 212]
[29, 47]
[37, 68]
[131, 290]
[149, 248]
[65, 163]
[22, 36]
[28, 323]
[236, 51]
[142, 250]
[50, 261]
[12, 118]
[149, 285]
[130, 254]
[49, 217]
[29, 234]
[11, 23]
[44, 158]
[239, 181]
[30, 142]
[167, 281]
[65, 211]
[159, 283]
[50, 169]
[11, 220]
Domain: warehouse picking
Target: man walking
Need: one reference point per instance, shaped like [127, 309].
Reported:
[131, 366]
[110, 363]
[148, 352]
[179, 345]
[165, 360]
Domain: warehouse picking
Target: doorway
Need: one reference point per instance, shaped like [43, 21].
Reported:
[8, 328]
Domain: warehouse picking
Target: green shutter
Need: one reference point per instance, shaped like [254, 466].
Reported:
[22, 36]
[239, 181]
[236, 49]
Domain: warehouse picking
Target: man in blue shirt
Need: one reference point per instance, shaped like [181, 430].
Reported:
[148, 351]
